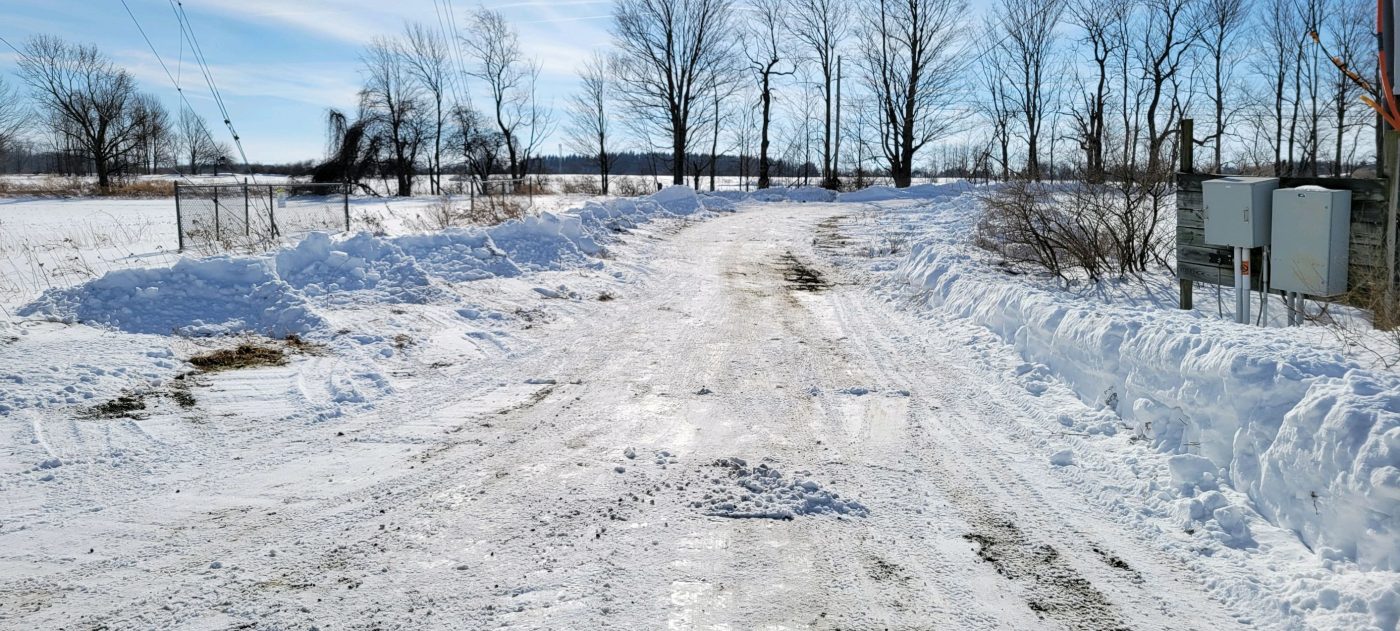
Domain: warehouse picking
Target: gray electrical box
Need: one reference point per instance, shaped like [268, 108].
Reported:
[1312, 229]
[1238, 210]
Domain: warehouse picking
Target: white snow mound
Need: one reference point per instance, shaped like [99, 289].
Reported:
[1313, 439]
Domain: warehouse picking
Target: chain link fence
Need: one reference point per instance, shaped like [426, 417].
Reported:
[224, 217]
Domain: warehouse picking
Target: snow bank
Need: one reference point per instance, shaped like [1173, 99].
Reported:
[917, 192]
[340, 271]
[277, 294]
[1313, 439]
[196, 297]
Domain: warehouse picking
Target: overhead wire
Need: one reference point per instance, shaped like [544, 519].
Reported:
[197, 51]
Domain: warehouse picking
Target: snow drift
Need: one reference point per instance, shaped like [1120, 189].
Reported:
[1313, 439]
[278, 294]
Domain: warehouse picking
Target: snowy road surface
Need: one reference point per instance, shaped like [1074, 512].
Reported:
[745, 438]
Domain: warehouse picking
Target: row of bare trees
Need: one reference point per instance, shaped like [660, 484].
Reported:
[1110, 81]
[415, 115]
[92, 111]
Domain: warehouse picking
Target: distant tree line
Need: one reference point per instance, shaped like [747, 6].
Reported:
[689, 90]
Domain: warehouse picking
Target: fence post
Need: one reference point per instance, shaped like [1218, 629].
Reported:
[272, 210]
[217, 236]
[247, 217]
[179, 222]
[345, 193]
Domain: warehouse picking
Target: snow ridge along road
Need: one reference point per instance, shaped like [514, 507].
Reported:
[746, 437]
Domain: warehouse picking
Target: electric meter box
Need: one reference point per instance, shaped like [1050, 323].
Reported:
[1312, 229]
[1238, 210]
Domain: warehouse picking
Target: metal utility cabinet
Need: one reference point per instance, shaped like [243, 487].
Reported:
[1237, 210]
[1311, 230]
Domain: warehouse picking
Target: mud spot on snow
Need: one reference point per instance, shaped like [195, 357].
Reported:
[829, 235]
[124, 406]
[799, 276]
[1052, 587]
[739, 491]
[137, 405]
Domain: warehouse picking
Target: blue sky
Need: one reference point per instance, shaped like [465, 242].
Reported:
[280, 63]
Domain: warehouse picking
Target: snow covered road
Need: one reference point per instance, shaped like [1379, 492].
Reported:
[746, 438]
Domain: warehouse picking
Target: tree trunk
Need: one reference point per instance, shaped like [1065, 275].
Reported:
[764, 180]
[678, 152]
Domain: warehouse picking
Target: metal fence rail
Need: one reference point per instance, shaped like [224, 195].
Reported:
[242, 216]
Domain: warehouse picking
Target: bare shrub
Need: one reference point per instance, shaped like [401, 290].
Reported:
[490, 211]
[1374, 332]
[440, 215]
[580, 186]
[631, 186]
[1097, 230]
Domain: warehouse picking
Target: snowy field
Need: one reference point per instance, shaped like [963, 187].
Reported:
[787, 410]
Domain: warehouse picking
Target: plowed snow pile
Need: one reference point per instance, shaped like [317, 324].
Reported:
[279, 294]
[743, 492]
[1296, 428]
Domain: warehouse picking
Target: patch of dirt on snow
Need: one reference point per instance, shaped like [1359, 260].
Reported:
[1054, 589]
[133, 405]
[741, 492]
[799, 276]
[124, 406]
[829, 235]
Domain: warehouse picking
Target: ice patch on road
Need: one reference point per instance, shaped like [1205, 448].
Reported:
[738, 491]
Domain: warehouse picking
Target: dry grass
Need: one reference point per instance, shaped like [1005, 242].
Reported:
[60, 186]
[243, 356]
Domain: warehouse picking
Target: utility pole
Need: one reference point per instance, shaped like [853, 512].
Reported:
[836, 153]
[1388, 156]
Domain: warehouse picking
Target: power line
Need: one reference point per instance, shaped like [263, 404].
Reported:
[173, 81]
[187, 29]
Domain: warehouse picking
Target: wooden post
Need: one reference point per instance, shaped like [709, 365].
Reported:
[272, 210]
[1188, 161]
[179, 222]
[1188, 145]
[1392, 147]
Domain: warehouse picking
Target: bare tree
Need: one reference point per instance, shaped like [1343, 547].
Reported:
[197, 146]
[1164, 46]
[510, 78]
[822, 26]
[391, 98]
[1280, 40]
[1351, 38]
[764, 45]
[1221, 22]
[1098, 21]
[427, 57]
[13, 116]
[481, 146]
[590, 112]
[908, 48]
[1027, 40]
[89, 100]
[672, 55]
